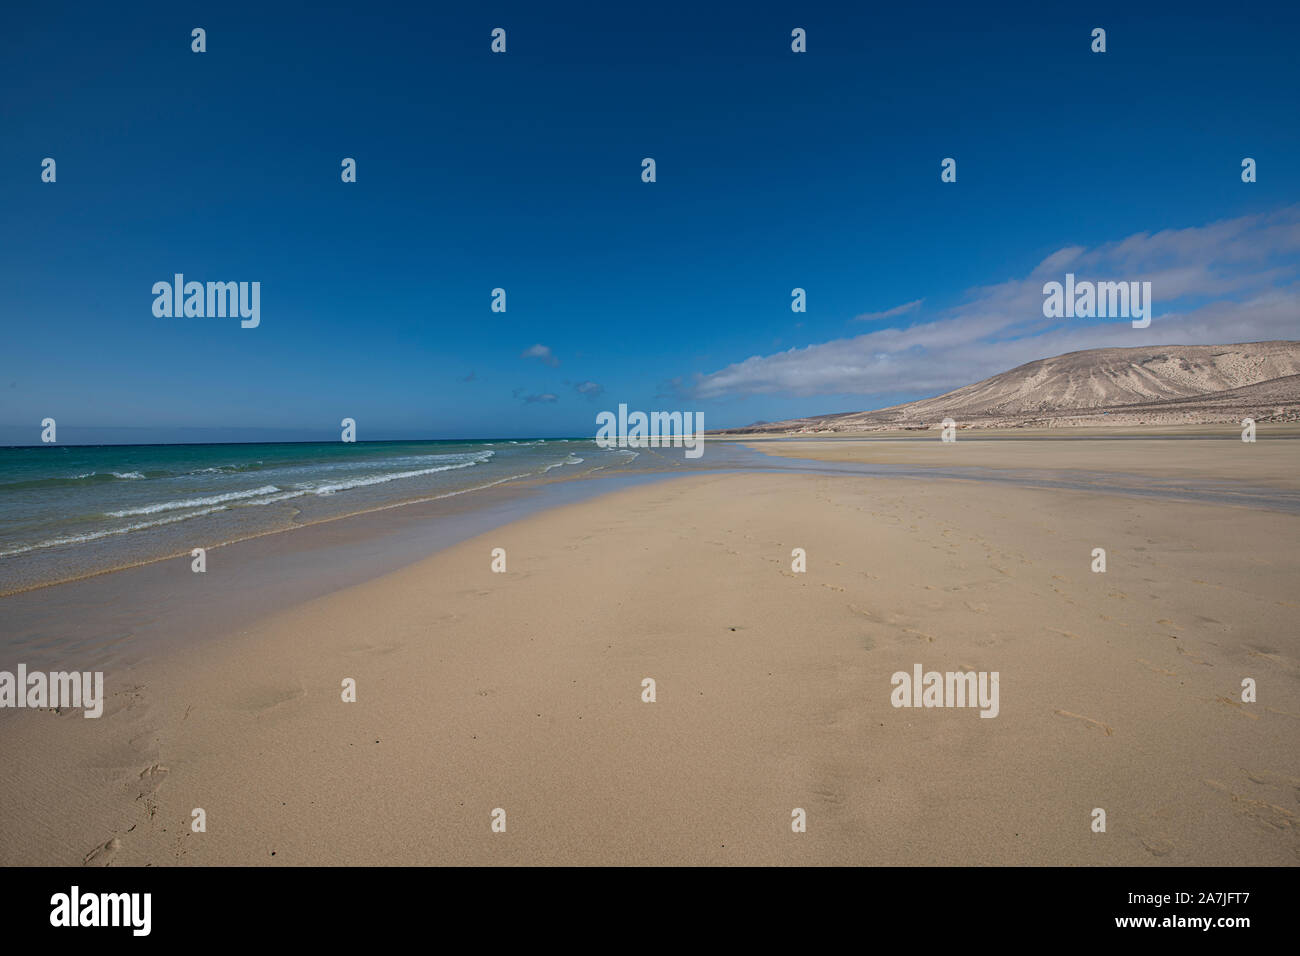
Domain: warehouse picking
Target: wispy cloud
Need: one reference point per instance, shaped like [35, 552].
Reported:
[1232, 281]
[541, 352]
[589, 390]
[544, 398]
[888, 313]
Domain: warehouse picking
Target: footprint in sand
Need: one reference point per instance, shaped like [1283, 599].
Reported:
[1272, 655]
[1269, 778]
[1155, 667]
[102, 855]
[1237, 704]
[1150, 834]
[1255, 800]
[869, 615]
[1192, 657]
[151, 779]
[128, 698]
[1157, 847]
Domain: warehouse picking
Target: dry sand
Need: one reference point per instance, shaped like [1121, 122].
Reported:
[522, 691]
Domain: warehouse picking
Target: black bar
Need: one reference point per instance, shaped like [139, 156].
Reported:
[975, 906]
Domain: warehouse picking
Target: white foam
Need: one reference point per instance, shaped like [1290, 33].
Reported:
[383, 479]
[93, 535]
[193, 502]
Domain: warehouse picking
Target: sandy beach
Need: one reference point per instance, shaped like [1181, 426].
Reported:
[522, 691]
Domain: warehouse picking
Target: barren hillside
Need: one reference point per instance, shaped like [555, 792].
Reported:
[1173, 384]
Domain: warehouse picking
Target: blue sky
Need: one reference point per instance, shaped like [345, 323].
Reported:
[522, 171]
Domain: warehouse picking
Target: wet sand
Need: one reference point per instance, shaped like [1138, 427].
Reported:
[1272, 460]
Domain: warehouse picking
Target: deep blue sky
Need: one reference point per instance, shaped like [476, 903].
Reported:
[522, 170]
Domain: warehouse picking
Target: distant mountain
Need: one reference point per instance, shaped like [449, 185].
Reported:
[1170, 384]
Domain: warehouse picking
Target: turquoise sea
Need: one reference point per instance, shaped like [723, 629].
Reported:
[69, 510]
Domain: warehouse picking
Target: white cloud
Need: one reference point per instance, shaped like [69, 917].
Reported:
[541, 352]
[888, 313]
[1231, 281]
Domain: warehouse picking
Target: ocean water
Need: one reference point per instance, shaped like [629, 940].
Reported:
[67, 511]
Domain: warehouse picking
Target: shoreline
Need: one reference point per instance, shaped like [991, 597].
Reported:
[525, 486]
[269, 569]
[133, 505]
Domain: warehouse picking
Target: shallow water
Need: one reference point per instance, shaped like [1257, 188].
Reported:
[68, 511]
